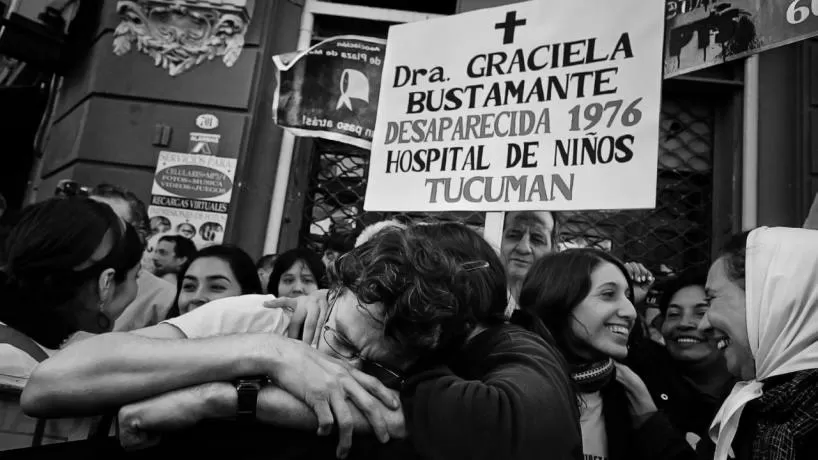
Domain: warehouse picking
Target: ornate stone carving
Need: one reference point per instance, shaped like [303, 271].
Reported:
[181, 34]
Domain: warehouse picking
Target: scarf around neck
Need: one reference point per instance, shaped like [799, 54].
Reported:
[593, 377]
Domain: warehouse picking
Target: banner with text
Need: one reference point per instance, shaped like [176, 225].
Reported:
[539, 105]
[191, 196]
[703, 33]
[331, 90]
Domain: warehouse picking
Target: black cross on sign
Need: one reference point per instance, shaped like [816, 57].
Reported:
[509, 26]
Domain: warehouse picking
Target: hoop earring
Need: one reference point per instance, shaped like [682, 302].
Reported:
[103, 321]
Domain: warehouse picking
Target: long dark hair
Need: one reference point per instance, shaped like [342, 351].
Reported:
[286, 260]
[240, 263]
[556, 285]
[47, 269]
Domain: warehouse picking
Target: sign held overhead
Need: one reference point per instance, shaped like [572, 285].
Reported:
[539, 105]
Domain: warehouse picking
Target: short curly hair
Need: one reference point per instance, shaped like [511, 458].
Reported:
[413, 278]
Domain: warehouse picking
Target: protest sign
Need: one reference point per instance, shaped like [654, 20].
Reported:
[541, 105]
[331, 90]
[703, 33]
[191, 195]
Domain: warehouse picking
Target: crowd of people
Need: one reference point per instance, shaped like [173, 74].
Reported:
[407, 340]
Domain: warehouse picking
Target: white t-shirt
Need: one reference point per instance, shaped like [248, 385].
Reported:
[233, 315]
[592, 423]
[154, 297]
[16, 428]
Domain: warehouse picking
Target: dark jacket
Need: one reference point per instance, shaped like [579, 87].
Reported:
[505, 395]
[688, 409]
[786, 415]
[655, 439]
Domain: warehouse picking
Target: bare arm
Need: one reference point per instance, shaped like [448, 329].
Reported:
[110, 370]
[142, 423]
[278, 407]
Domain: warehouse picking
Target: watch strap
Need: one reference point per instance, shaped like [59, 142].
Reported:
[248, 390]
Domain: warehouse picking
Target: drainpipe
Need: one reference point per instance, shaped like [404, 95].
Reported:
[749, 177]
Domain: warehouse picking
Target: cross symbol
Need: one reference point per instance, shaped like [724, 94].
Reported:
[509, 26]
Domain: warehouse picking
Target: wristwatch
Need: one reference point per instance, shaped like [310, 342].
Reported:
[248, 389]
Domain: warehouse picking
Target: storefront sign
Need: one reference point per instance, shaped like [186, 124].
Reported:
[191, 195]
[704, 33]
[538, 105]
[331, 90]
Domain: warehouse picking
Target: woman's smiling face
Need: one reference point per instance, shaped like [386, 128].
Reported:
[604, 319]
[680, 327]
[727, 316]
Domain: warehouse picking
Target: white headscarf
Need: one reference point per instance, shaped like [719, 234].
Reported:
[781, 286]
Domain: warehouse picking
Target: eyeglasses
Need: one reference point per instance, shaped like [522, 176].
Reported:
[341, 347]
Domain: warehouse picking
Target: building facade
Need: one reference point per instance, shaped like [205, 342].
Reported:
[720, 168]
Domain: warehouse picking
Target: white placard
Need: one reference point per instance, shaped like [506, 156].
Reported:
[546, 105]
[191, 195]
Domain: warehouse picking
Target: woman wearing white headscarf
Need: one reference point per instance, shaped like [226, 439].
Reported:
[763, 294]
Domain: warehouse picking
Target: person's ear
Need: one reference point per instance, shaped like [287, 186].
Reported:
[106, 285]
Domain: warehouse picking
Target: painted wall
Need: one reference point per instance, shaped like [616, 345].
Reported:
[112, 108]
[808, 123]
[777, 138]
[788, 134]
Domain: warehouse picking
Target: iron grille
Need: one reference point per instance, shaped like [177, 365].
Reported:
[335, 197]
[676, 235]
[673, 236]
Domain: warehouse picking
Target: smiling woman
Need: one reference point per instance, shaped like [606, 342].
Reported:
[687, 377]
[763, 294]
[215, 272]
[583, 296]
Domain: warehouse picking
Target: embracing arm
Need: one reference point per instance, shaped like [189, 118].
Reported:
[275, 407]
[109, 370]
[278, 407]
[519, 407]
[142, 423]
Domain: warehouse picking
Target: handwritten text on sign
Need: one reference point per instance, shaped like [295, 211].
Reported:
[540, 105]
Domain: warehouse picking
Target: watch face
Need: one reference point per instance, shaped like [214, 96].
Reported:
[248, 385]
